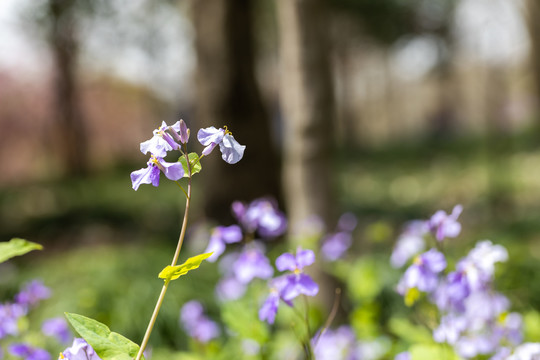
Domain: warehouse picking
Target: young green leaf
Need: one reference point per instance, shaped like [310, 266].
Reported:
[194, 162]
[16, 247]
[174, 272]
[107, 344]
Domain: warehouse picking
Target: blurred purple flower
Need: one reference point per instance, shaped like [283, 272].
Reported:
[403, 356]
[423, 273]
[150, 174]
[261, 216]
[231, 151]
[526, 351]
[229, 288]
[28, 352]
[407, 246]
[338, 344]
[269, 308]
[335, 245]
[252, 263]
[297, 282]
[222, 235]
[347, 222]
[479, 264]
[9, 318]
[443, 225]
[162, 141]
[57, 328]
[451, 293]
[79, 350]
[196, 324]
[32, 293]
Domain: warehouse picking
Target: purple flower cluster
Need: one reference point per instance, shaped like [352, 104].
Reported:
[10, 313]
[411, 241]
[168, 138]
[474, 318]
[289, 286]
[196, 323]
[28, 352]
[260, 217]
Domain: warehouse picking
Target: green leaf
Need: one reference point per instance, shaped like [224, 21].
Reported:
[405, 330]
[193, 161]
[107, 344]
[432, 351]
[16, 247]
[174, 272]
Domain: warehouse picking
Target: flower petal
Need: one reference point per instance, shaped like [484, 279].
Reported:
[231, 151]
[173, 171]
[306, 285]
[210, 135]
[145, 176]
[286, 261]
[304, 258]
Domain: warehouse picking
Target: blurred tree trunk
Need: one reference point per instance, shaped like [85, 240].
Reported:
[227, 94]
[533, 21]
[308, 107]
[70, 134]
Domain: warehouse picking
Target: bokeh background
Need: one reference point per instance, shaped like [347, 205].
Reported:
[388, 109]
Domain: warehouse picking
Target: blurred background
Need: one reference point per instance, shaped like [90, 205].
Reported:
[388, 109]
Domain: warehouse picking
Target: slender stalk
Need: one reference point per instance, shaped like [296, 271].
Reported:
[309, 348]
[173, 263]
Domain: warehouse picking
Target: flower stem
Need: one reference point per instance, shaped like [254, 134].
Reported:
[173, 263]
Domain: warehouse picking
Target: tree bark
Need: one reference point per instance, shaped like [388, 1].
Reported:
[71, 137]
[533, 22]
[307, 101]
[227, 94]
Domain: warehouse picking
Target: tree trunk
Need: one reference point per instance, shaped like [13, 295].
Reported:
[533, 21]
[308, 108]
[227, 94]
[71, 137]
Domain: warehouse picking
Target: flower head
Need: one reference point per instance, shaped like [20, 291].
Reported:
[231, 151]
[252, 263]
[261, 216]
[28, 352]
[196, 324]
[79, 350]
[163, 140]
[443, 225]
[57, 328]
[220, 237]
[150, 174]
[297, 283]
[423, 273]
[32, 293]
[269, 308]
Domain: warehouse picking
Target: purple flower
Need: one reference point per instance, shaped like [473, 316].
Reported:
[403, 356]
[450, 295]
[222, 235]
[183, 131]
[32, 293]
[196, 324]
[150, 174]
[229, 288]
[479, 264]
[28, 352]
[262, 216]
[231, 151]
[338, 344]
[9, 318]
[407, 246]
[423, 273]
[526, 351]
[252, 264]
[57, 328]
[297, 282]
[79, 350]
[335, 245]
[443, 225]
[269, 308]
[162, 141]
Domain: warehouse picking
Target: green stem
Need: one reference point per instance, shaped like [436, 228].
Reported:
[309, 348]
[173, 263]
